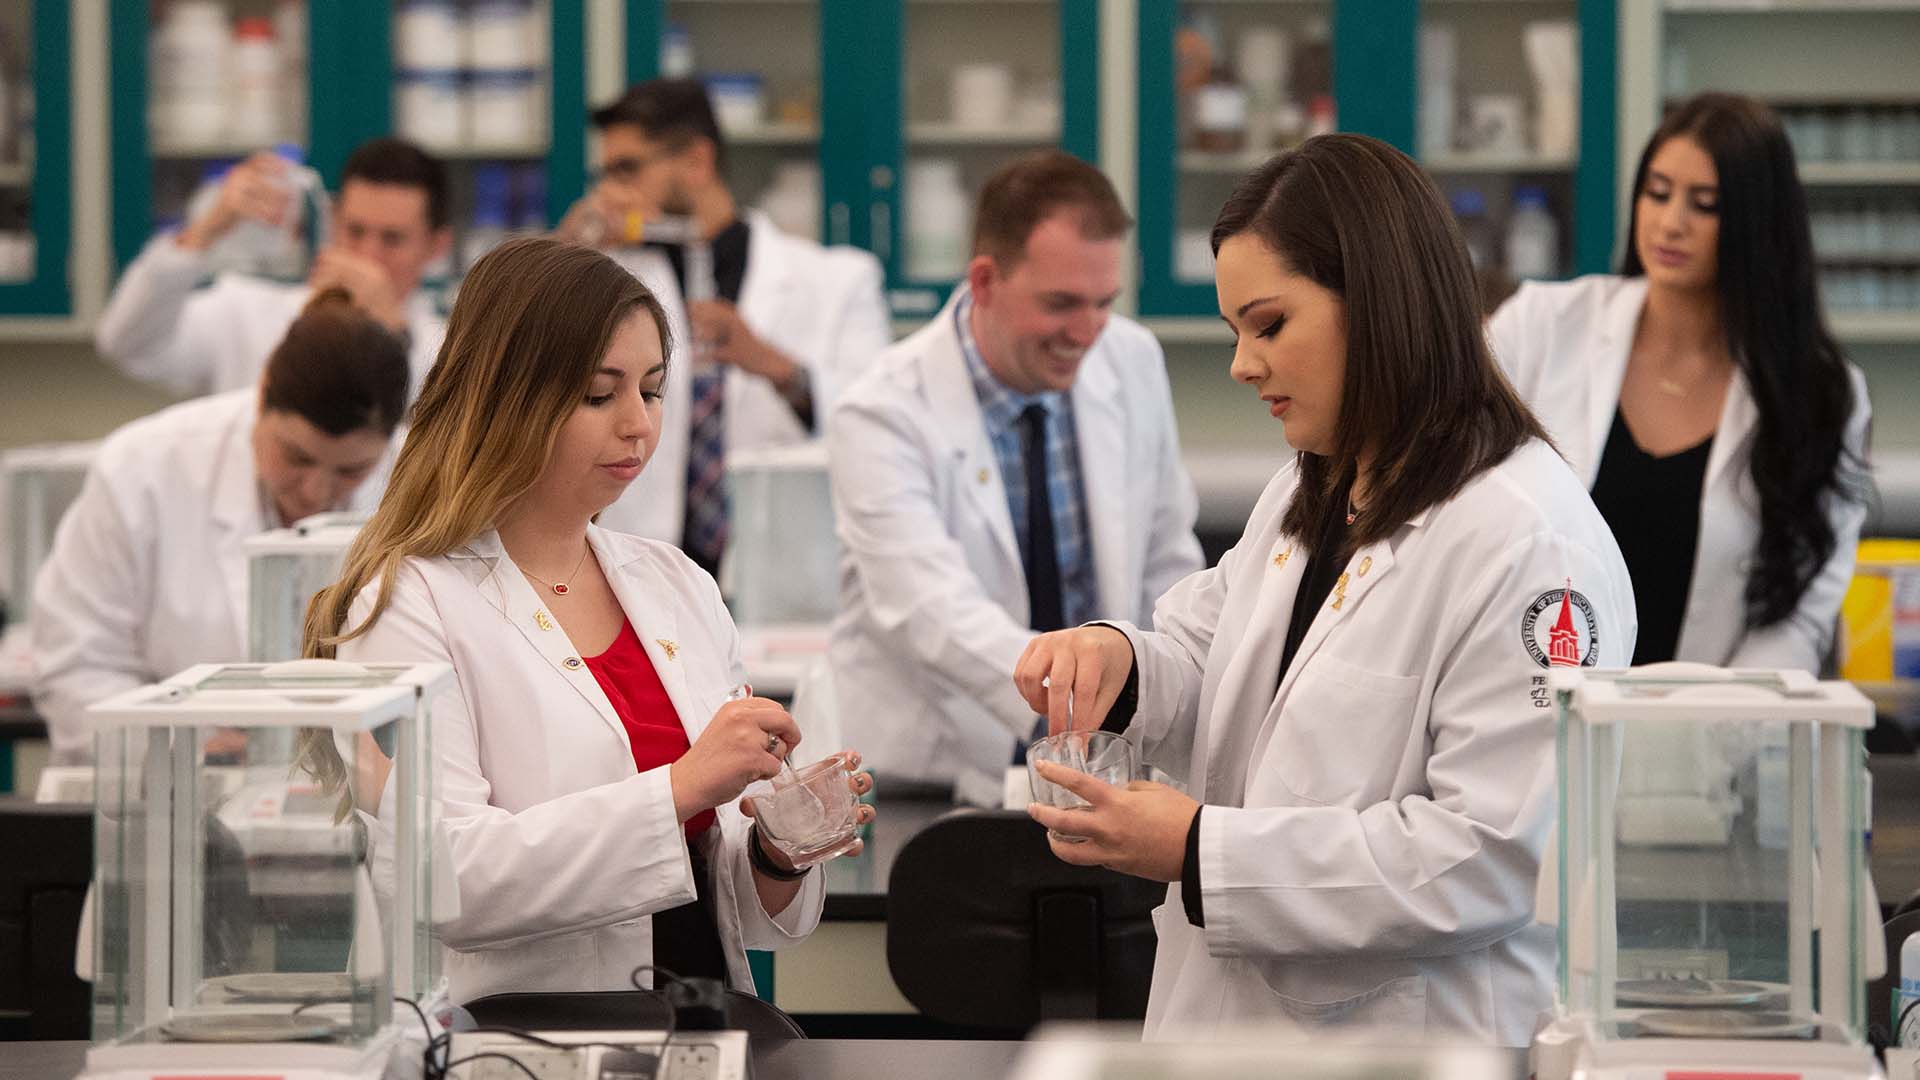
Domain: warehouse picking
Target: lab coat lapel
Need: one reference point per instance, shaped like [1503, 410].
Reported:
[1361, 574]
[1738, 415]
[528, 614]
[1099, 425]
[768, 286]
[1246, 686]
[956, 410]
[237, 513]
[1606, 372]
[653, 622]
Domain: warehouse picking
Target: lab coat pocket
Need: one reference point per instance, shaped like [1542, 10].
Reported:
[1346, 994]
[1341, 733]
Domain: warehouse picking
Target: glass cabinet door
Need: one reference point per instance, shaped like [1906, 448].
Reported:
[35, 158]
[200, 85]
[1498, 127]
[1224, 84]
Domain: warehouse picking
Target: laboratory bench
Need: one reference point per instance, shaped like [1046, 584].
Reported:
[796, 1059]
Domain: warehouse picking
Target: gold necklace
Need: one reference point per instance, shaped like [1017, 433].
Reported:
[563, 586]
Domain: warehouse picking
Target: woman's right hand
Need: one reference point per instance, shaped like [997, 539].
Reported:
[746, 741]
[1085, 667]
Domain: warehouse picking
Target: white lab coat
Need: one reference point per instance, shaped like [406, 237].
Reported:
[822, 306]
[161, 327]
[148, 573]
[1372, 833]
[562, 851]
[933, 597]
[1565, 346]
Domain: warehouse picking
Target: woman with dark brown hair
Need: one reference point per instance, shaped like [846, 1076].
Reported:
[1355, 697]
[591, 756]
[148, 575]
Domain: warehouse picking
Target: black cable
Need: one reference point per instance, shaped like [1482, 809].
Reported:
[517, 1063]
[1901, 1021]
[672, 1015]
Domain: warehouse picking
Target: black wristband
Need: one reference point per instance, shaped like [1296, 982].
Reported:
[763, 863]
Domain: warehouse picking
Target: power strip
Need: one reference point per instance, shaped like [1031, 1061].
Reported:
[616, 1055]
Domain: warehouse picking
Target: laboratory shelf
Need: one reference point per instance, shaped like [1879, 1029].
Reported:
[1194, 331]
[1876, 327]
[1859, 173]
[206, 151]
[483, 152]
[1790, 6]
[1232, 163]
[775, 135]
[958, 135]
[1462, 164]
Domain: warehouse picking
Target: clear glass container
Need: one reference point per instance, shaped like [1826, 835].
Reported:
[39, 483]
[1711, 935]
[285, 567]
[262, 865]
[783, 559]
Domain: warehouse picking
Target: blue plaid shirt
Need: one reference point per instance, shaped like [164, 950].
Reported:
[1001, 409]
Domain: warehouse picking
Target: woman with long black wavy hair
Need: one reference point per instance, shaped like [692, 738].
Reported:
[1702, 398]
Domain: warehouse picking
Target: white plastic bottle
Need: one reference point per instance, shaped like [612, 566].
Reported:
[1533, 237]
[939, 220]
[255, 247]
[255, 101]
[1908, 997]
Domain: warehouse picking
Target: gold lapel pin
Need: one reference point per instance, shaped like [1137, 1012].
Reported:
[1281, 559]
[1366, 564]
[670, 648]
[1339, 591]
[541, 620]
[571, 663]
[983, 476]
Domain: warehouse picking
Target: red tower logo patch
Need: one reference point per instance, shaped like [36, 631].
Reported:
[1571, 639]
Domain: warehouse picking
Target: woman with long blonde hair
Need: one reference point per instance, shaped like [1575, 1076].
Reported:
[592, 753]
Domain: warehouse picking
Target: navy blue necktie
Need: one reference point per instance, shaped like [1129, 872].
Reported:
[1042, 561]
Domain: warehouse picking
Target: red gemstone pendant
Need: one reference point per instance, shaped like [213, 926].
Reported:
[561, 589]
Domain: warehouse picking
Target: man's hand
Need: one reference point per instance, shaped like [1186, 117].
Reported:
[254, 190]
[365, 280]
[718, 325]
[612, 215]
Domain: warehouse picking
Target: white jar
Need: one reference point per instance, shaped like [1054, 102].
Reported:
[739, 102]
[187, 68]
[793, 199]
[939, 220]
[505, 109]
[255, 93]
[427, 36]
[501, 36]
[430, 108]
[982, 96]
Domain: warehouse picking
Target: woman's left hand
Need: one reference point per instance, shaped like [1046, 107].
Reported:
[864, 814]
[1140, 829]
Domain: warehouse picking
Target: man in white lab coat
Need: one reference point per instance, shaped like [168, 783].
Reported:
[1011, 468]
[388, 224]
[788, 323]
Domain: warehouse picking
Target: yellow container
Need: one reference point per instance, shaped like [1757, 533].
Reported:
[1880, 616]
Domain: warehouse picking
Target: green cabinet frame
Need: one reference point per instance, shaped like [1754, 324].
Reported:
[50, 291]
[862, 138]
[350, 100]
[1375, 65]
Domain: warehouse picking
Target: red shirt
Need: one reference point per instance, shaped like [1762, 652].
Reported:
[640, 700]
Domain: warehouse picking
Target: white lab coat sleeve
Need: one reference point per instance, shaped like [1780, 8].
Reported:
[759, 929]
[1169, 662]
[920, 591]
[1802, 639]
[588, 859]
[865, 328]
[1173, 551]
[1447, 872]
[90, 604]
[156, 328]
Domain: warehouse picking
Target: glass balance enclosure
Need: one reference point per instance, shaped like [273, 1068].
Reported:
[1748, 928]
[261, 870]
[285, 567]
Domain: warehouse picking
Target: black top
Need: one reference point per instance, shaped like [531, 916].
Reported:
[729, 261]
[1652, 504]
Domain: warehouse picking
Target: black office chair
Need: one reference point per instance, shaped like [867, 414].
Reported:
[1880, 1015]
[46, 861]
[623, 1010]
[987, 928]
